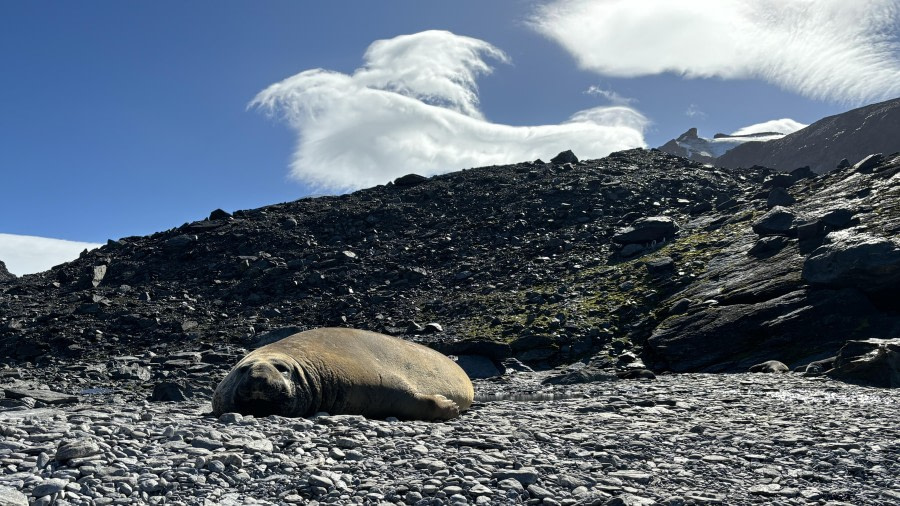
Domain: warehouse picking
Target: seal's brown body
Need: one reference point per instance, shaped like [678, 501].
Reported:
[345, 371]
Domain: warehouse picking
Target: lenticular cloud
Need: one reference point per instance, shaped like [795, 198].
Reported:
[839, 50]
[413, 107]
[783, 126]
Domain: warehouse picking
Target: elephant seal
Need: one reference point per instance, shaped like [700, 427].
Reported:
[770, 366]
[345, 371]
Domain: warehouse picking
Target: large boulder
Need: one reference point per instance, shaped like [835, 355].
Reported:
[854, 259]
[874, 362]
[778, 221]
[566, 156]
[647, 230]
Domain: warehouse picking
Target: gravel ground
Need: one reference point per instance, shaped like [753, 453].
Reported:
[679, 439]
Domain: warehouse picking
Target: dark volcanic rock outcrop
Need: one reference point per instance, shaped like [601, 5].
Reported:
[525, 261]
[821, 146]
[5, 275]
[871, 362]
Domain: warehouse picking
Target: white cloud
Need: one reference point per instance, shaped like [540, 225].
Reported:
[26, 254]
[782, 126]
[413, 107]
[845, 51]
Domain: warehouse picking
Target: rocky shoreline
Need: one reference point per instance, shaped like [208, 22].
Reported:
[679, 439]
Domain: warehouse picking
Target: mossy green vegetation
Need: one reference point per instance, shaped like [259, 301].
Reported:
[614, 304]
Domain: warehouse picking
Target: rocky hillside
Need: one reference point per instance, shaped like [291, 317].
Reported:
[822, 145]
[691, 268]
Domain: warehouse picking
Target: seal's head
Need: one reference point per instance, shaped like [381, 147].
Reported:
[263, 384]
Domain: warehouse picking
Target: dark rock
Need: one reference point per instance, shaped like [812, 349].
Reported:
[647, 230]
[768, 246]
[802, 173]
[780, 181]
[778, 221]
[630, 250]
[809, 231]
[5, 275]
[873, 362]
[660, 267]
[180, 241]
[410, 180]
[843, 164]
[770, 366]
[219, 214]
[779, 197]
[171, 391]
[477, 366]
[837, 218]
[680, 307]
[854, 259]
[566, 156]
[868, 163]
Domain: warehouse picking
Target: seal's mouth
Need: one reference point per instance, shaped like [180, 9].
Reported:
[260, 407]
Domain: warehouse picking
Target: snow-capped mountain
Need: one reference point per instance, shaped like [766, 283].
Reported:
[691, 145]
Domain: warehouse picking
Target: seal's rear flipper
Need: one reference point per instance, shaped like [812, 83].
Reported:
[435, 407]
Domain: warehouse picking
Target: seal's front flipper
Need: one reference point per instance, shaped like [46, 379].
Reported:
[435, 407]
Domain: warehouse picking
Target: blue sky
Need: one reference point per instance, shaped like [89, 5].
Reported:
[126, 118]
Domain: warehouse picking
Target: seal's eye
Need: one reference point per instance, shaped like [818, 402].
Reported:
[283, 369]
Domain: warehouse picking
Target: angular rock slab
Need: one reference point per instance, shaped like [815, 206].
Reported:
[873, 362]
[45, 396]
[854, 259]
[12, 497]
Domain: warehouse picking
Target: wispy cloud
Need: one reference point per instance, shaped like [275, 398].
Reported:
[413, 107]
[782, 126]
[838, 50]
[610, 95]
[26, 254]
[693, 111]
